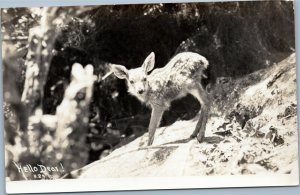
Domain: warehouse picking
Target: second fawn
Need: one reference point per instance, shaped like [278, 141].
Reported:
[181, 76]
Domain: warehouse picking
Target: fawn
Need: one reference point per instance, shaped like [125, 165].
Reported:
[181, 76]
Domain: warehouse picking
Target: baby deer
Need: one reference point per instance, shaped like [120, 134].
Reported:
[181, 76]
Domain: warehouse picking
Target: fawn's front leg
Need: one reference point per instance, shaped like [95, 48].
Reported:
[156, 115]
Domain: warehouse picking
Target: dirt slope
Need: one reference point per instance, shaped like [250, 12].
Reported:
[252, 129]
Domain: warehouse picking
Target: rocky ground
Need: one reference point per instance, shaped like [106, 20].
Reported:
[252, 129]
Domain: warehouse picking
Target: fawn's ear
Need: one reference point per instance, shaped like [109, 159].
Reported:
[120, 71]
[148, 64]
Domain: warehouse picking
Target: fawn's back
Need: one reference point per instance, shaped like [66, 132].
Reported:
[176, 79]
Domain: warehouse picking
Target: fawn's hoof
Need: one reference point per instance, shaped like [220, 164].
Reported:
[200, 138]
[150, 142]
[193, 136]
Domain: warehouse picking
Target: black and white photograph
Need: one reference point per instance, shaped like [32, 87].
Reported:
[149, 96]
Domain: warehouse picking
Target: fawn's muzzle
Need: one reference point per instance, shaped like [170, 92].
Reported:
[141, 91]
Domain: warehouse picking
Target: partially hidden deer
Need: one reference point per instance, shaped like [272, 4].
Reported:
[181, 76]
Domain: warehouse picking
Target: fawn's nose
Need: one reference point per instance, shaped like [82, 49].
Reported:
[141, 91]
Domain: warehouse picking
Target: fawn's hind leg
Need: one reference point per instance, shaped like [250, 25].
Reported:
[203, 99]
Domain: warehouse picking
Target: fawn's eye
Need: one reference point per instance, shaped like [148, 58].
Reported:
[131, 81]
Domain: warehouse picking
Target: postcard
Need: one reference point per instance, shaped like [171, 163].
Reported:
[149, 96]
